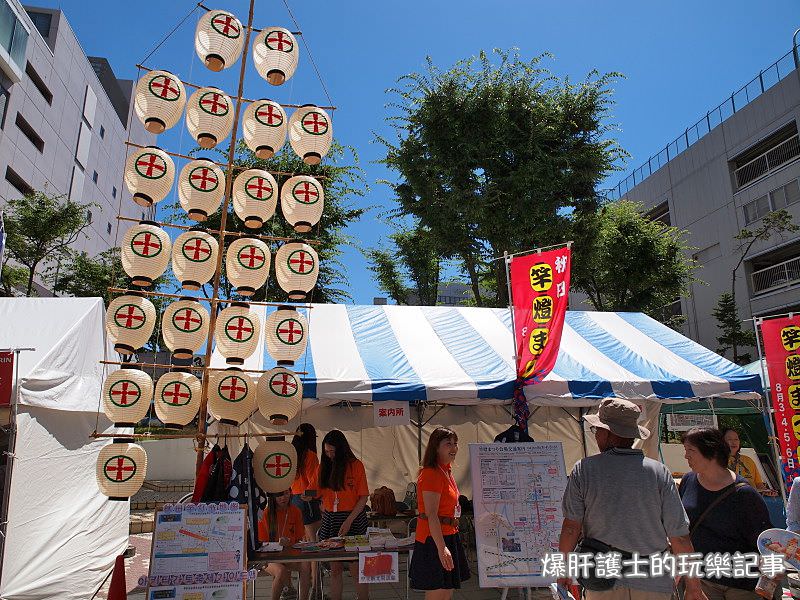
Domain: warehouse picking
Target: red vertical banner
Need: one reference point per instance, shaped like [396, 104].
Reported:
[782, 350]
[540, 293]
[6, 377]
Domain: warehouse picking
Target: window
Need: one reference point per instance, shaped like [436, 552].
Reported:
[13, 36]
[17, 182]
[94, 176]
[89, 216]
[38, 83]
[4, 96]
[776, 150]
[113, 191]
[29, 132]
[102, 132]
[108, 229]
[42, 22]
[660, 213]
[777, 199]
[756, 209]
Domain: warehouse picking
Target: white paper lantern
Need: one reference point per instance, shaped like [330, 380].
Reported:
[231, 396]
[275, 54]
[310, 133]
[201, 186]
[184, 327]
[159, 101]
[236, 331]
[286, 335]
[146, 251]
[302, 202]
[209, 116]
[264, 127]
[296, 268]
[126, 396]
[194, 258]
[177, 399]
[219, 39]
[130, 321]
[247, 263]
[280, 395]
[149, 175]
[274, 465]
[255, 197]
[121, 469]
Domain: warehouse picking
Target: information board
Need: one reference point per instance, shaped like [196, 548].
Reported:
[517, 492]
[199, 552]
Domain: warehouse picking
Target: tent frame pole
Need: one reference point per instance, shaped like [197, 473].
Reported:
[768, 411]
[419, 423]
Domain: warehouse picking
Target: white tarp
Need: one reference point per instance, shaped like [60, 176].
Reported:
[63, 534]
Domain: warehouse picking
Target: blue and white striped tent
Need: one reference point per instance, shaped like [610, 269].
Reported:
[463, 355]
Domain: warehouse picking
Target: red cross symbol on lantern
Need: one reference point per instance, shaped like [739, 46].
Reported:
[258, 188]
[240, 327]
[188, 317]
[122, 389]
[269, 115]
[165, 87]
[277, 39]
[207, 178]
[131, 315]
[299, 260]
[200, 248]
[151, 166]
[306, 192]
[315, 123]
[275, 464]
[146, 241]
[218, 105]
[283, 384]
[288, 329]
[252, 256]
[118, 466]
[173, 396]
[226, 24]
[232, 389]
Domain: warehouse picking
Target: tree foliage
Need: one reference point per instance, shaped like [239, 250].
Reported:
[39, 228]
[495, 154]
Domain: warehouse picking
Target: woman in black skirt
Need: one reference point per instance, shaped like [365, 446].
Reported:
[439, 564]
[344, 492]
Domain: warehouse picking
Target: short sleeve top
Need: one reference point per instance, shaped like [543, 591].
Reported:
[355, 486]
[289, 524]
[441, 481]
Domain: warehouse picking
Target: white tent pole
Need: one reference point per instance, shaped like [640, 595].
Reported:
[507, 263]
[768, 410]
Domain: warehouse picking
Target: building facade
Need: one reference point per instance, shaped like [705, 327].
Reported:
[64, 121]
[724, 174]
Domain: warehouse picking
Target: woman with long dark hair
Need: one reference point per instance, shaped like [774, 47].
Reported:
[344, 491]
[439, 564]
[305, 443]
[283, 523]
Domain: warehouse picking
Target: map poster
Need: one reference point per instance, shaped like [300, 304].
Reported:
[199, 550]
[517, 491]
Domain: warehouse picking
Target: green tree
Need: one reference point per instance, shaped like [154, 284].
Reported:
[409, 268]
[40, 228]
[726, 312]
[342, 183]
[627, 262]
[494, 154]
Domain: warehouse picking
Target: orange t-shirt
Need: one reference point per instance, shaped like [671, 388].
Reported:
[287, 525]
[441, 481]
[355, 486]
[307, 479]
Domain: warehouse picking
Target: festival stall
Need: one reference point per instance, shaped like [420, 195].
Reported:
[62, 534]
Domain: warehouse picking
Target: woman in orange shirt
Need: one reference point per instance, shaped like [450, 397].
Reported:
[282, 522]
[344, 492]
[439, 564]
[305, 443]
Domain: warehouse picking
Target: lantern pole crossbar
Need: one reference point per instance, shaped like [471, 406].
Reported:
[176, 436]
[185, 367]
[223, 165]
[245, 100]
[268, 238]
[116, 290]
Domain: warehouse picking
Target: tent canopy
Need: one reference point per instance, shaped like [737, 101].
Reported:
[464, 355]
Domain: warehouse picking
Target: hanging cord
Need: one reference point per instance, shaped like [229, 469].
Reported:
[174, 29]
[308, 51]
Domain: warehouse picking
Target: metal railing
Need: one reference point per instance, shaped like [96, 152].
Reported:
[768, 161]
[777, 276]
[766, 79]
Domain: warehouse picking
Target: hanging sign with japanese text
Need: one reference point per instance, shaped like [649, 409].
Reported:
[540, 294]
[782, 350]
[391, 412]
[6, 377]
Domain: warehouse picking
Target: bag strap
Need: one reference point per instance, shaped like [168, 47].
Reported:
[728, 492]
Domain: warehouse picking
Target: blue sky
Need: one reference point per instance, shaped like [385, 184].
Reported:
[680, 59]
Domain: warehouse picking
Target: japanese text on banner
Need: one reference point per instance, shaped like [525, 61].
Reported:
[540, 292]
[782, 350]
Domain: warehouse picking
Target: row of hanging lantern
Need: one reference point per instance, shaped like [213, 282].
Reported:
[160, 101]
[146, 252]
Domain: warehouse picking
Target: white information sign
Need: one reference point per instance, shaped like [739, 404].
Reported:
[391, 412]
[378, 567]
[517, 492]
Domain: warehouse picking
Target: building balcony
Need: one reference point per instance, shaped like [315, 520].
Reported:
[776, 277]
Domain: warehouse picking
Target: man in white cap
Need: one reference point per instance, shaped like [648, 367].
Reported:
[628, 503]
